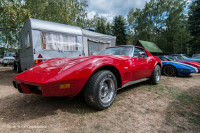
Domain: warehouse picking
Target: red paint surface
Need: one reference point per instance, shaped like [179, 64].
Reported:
[50, 74]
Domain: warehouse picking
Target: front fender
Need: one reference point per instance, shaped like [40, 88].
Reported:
[79, 74]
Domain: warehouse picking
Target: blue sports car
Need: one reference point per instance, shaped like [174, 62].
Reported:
[177, 68]
[185, 57]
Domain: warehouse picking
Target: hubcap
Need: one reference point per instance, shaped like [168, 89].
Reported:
[106, 90]
[158, 73]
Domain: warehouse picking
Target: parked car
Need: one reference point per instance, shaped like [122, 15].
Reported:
[196, 56]
[98, 76]
[192, 63]
[173, 68]
[8, 58]
[184, 57]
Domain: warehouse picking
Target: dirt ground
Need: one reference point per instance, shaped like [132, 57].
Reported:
[171, 106]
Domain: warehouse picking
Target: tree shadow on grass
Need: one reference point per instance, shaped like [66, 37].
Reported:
[20, 107]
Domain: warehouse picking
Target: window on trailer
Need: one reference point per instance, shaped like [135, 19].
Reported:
[27, 40]
[59, 41]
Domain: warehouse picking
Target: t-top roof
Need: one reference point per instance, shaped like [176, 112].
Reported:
[150, 46]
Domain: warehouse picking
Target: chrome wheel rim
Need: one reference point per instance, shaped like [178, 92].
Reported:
[158, 73]
[106, 90]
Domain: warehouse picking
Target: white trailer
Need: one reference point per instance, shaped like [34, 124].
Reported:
[41, 40]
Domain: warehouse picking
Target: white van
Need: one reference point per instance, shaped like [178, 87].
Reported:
[8, 58]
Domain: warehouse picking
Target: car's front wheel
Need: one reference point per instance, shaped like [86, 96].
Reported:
[100, 90]
[156, 75]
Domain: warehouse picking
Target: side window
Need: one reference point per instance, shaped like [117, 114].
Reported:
[58, 41]
[138, 51]
[27, 40]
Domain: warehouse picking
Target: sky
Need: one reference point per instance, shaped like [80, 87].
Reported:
[111, 8]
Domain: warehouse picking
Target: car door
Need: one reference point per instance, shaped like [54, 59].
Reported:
[140, 65]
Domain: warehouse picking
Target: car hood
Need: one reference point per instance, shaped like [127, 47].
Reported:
[47, 71]
[190, 62]
[8, 58]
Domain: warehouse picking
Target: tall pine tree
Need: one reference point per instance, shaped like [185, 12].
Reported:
[119, 30]
[194, 22]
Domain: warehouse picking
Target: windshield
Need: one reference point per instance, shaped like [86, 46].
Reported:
[172, 58]
[185, 56]
[180, 57]
[9, 54]
[122, 50]
[195, 55]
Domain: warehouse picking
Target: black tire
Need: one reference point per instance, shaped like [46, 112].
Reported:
[100, 87]
[156, 75]
[188, 74]
[169, 70]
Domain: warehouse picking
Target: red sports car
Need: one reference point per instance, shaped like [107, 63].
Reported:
[98, 76]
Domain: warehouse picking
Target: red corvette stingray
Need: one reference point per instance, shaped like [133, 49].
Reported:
[98, 76]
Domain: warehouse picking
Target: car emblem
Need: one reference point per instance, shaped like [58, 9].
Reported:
[125, 67]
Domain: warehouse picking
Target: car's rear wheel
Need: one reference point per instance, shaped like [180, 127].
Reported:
[156, 75]
[169, 70]
[100, 90]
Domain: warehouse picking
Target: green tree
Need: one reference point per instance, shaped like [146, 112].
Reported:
[194, 26]
[14, 13]
[163, 22]
[100, 25]
[12, 17]
[119, 30]
[109, 28]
